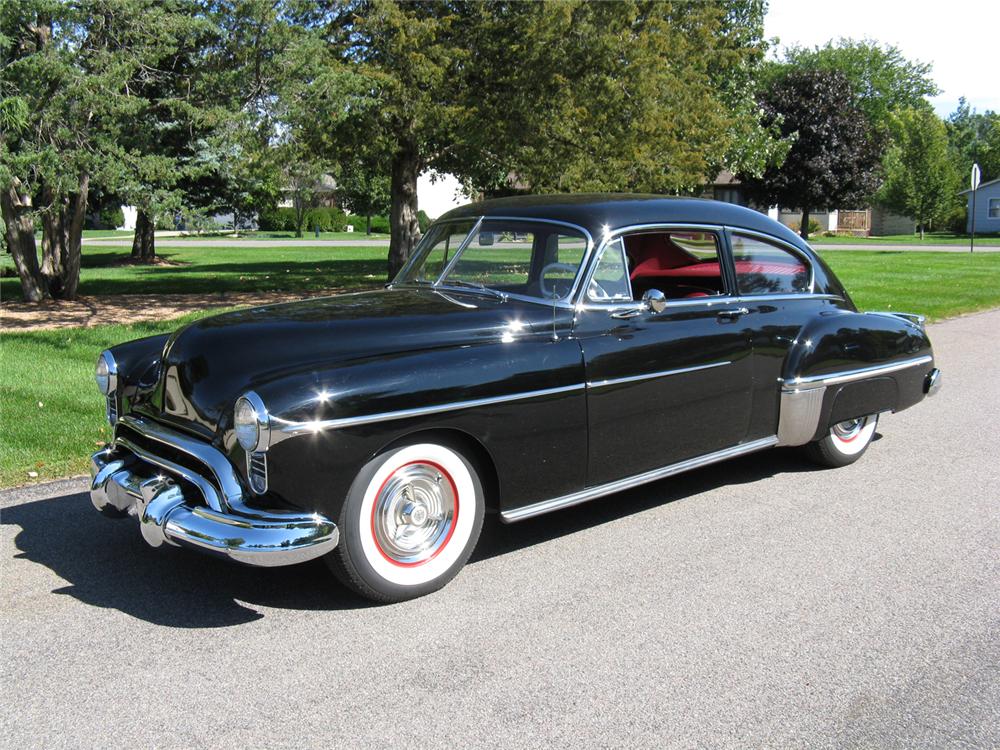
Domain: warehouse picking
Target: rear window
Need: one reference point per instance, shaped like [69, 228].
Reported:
[763, 267]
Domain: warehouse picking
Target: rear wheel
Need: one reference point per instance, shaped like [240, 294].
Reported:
[845, 443]
[410, 522]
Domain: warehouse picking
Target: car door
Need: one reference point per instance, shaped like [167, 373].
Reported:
[662, 386]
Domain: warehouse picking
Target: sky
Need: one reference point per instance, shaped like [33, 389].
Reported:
[960, 39]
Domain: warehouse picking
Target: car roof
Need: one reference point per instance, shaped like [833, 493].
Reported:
[597, 211]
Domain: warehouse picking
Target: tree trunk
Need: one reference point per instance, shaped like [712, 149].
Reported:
[368, 224]
[921, 232]
[403, 223]
[20, 231]
[143, 243]
[804, 227]
[62, 234]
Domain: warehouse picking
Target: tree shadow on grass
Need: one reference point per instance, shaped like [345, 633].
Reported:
[106, 563]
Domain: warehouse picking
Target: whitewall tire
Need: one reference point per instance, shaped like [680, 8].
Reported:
[845, 443]
[410, 521]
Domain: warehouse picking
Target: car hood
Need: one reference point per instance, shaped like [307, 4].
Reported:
[208, 364]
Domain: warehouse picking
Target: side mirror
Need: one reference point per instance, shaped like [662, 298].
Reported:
[654, 300]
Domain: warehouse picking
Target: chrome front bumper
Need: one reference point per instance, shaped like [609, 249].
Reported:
[172, 510]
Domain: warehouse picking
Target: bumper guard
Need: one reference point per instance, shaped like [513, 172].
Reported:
[129, 481]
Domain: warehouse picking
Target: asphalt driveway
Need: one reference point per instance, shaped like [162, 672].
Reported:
[755, 603]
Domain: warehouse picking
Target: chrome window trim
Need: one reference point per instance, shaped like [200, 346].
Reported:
[288, 428]
[575, 498]
[458, 252]
[653, 375]
[848, 376]
[565, 301]
[785, 245]
[598, 257]
[614, 234]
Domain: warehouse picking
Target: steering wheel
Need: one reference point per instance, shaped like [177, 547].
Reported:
[553, 267]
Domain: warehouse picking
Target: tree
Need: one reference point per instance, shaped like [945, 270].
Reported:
[921, 178]
[883, 80]
[836, 156]
[97, 82]
[566, 96]
[363, 189]
[975, 139]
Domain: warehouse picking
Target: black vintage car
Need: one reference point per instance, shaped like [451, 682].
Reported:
[535, 353]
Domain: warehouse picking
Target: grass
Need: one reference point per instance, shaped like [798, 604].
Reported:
[223, 269]
[53, 416]
[52, 413]
[938, 285]
[930, 238]
[276, 235]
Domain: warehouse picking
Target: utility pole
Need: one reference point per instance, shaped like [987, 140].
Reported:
[976, 175]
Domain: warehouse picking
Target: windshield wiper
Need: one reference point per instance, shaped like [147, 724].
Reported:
[463, 284]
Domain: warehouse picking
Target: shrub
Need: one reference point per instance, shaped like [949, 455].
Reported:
[424, 219]
[326, 218]
[111, 217]
[380, 224]
[814, 226]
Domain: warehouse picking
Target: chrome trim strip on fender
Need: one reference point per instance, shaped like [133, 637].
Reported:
[847, 376]
[652, 375]
[566, 501]
[289, 428]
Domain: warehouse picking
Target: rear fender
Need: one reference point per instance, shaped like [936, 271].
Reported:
[846, 364]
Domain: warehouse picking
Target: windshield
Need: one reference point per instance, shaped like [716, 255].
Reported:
[523, 257]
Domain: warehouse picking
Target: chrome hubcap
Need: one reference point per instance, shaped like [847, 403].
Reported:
[849, 429]
[414, 513]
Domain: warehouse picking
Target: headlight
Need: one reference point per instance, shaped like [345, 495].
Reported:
[106, 373]
[251, 424]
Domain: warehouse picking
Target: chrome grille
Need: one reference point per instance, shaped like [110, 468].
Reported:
[112, 409]
[257, 471]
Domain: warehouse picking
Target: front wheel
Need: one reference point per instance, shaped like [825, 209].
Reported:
[845, 443]
[411, 520]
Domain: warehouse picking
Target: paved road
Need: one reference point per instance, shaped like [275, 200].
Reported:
[755, 604]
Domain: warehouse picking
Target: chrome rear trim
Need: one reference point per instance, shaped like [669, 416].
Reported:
[848, 376]
[566, 501]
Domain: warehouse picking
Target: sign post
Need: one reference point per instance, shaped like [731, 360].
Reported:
[976, 175]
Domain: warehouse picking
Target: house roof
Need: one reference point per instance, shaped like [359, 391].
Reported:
[981, 186]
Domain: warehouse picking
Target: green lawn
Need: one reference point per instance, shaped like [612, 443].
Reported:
[51, 411]
[930, 238]
[357, 234]
[224, 269]
[55, 368]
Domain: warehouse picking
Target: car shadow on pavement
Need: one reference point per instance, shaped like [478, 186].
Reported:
[500, 538]
[107, 564]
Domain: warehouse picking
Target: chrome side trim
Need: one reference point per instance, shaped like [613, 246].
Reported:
[575, 498]
[289, 428]
[915, 318]
[220, 467]
[848, 376]
[652, 375]
[798, 415]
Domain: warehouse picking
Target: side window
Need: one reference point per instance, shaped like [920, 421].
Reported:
[610, 280]
[765, 268]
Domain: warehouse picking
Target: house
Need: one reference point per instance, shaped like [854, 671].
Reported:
[987, 207]
[875, 221]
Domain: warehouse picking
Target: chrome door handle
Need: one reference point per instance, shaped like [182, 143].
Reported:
[734, 312]
[626, 314]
